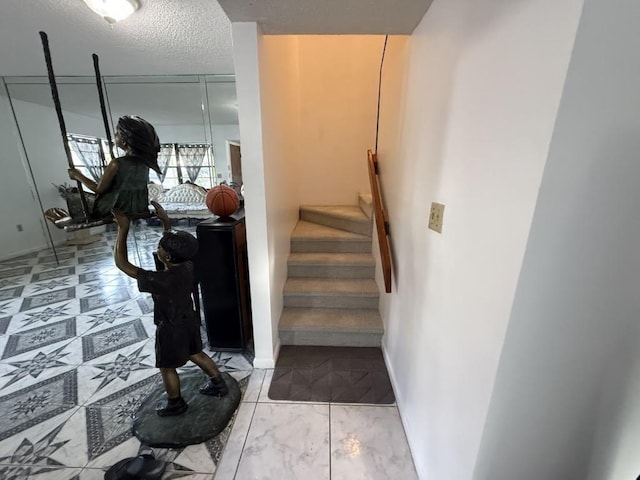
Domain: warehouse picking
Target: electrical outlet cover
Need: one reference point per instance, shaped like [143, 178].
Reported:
[436, 217]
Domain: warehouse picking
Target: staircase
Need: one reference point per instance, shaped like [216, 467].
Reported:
[331, 297]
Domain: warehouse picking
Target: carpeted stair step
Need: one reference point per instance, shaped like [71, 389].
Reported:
[331, 293]
[350, 218]
[331, 265]
[330, 327]
[311, 237]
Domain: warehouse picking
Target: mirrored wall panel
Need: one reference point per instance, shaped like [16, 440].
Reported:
[195, 117]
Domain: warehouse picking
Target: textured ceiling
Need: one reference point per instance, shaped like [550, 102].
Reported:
[329, 16]
[163, 37]
[168, 37]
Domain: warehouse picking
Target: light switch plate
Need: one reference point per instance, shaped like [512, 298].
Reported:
[436, 216]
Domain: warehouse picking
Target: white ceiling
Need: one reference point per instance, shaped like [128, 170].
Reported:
[162, 37]
[332, 17]
[168, 37]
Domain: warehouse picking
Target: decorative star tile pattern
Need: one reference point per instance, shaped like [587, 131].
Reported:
[48, 298]
[10, 282]
[47, 337]
[109, 421]
[34, 338]
[52, 258]
[4, 324]
[46, 314]
[37, 403]
[92, 276]
[95, 302]
[15, 272]
[56, 273]
[95, 345]
[11, 293]
[122, 367]
[146, 304]
[52, 285]
[33, 458]
[4, 307]
[109, 315]
[97, 257]
[35, 365]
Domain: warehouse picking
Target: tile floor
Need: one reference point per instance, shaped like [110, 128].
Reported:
[76, 343]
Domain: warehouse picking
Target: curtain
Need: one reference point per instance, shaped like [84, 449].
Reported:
[164, 157]
[89, 152]
[191, 157]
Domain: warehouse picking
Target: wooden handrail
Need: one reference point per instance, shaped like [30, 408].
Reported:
[382, 222]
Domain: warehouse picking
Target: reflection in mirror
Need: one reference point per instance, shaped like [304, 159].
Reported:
[223, 110]
[174, 106]
[195, 117]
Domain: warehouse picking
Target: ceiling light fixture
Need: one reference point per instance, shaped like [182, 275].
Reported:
[113, 10]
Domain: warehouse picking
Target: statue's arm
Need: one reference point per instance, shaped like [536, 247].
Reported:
[102, 185]
[161, 213]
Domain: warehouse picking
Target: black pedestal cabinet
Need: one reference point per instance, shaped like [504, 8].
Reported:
[223, 273]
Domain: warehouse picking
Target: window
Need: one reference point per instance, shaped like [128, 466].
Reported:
[88, 155]
[182, 162]
[178, 162]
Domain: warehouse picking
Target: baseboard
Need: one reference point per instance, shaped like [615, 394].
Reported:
[399, 404]
[264, 362]
[27, 251]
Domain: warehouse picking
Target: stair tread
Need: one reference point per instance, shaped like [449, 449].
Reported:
[335, 319]
[314, 231]
[331, 286]
[348, 212]
[324, 259]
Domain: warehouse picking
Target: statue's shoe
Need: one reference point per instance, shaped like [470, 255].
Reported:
[165, 409]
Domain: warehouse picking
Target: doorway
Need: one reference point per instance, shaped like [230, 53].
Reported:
[235, 162]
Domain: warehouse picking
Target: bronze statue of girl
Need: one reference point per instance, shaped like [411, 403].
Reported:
[123, 186]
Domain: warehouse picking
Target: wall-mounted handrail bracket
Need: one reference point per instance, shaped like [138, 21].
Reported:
[382, 223]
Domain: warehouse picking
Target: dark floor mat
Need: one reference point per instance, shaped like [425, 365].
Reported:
[331, 374]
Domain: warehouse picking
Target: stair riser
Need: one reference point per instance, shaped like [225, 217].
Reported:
[330, 339]
[365, 206]
[331, 246]
[363, 228]
[330, 301]
[329, 271]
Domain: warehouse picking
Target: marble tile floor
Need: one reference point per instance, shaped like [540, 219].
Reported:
[76, 359]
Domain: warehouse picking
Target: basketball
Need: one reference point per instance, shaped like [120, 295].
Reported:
[222, 200]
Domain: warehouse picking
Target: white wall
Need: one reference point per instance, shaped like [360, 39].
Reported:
[566, 400]
[18, 205]
[266, 81]
[482, 92]
[246, 58]
[48, 162]
[222, 133]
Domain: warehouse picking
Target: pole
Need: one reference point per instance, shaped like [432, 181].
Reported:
[63, 128]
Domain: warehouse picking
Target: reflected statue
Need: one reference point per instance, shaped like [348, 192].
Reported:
[123, 186]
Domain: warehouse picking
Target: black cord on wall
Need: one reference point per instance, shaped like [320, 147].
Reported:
[384, 50]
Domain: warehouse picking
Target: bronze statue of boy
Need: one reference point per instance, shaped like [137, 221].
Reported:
[177, 322]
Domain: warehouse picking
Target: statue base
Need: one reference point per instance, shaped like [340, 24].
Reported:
[205, 418]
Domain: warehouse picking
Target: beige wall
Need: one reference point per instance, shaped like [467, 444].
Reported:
[280, 122]
[338, 79]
